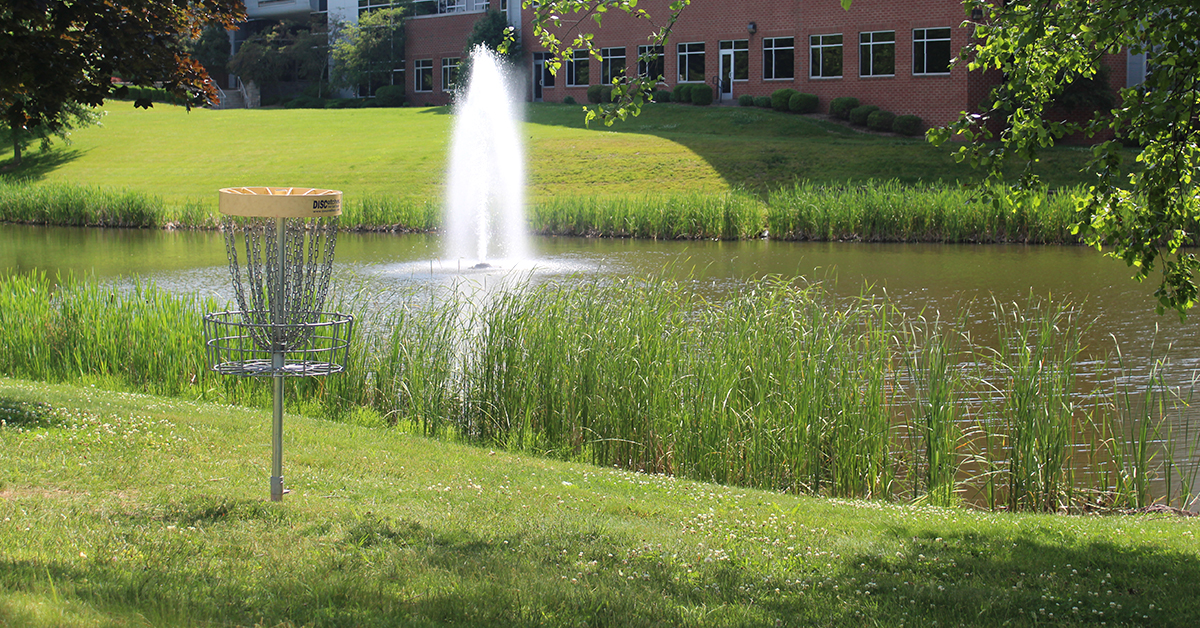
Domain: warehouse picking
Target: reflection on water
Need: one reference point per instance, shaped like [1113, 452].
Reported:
[918, 278]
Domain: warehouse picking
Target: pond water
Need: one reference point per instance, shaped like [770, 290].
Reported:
[916, 277]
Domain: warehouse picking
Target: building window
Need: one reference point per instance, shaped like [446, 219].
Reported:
[779, 58]
[577, 69]
[650, 62]
[691, 63]
[449, 73]
[931, 51]
[423, 75]
[826, 56]
[366, 6]
[740, 51]
[877, 53]
[612, 64]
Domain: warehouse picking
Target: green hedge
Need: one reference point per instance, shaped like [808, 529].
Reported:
[780, 99]
[661, 95]
[840, 107]
[803, 103]
[881, 120]
[745, 100]
[908, 125]
[702, 95]
[682, 93]
[762, 101]
[858, 115]
[390, 96]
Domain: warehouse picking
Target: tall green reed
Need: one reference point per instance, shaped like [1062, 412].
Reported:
[777, 385]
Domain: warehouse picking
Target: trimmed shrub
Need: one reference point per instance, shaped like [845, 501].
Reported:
[390, 96]
[661, 95]
[569, 101]
[593, 94]
[745, 100]
[368, 103]
[881, 120]
[803, 103]
[304, 102]
[840, 107]
[702, 95]
[858, 115]
[781, 97]
[762, 101]
[682, 93]
[908, 125]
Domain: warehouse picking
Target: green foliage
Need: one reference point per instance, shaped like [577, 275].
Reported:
[803, 103]
[597, 94]
[1145, 218]
[631, 92]
[701, 94]
[762, 101]
[284, 51]
[908, 125]
[71, 116]
[841, 107]
[881, 120]
[682, 93]
[569, 100]
[661, 96]
[489, 31]
[782, 98]
[745, 100]
[211, 49]
[390, 96]
[373, 46]
[859, 114]
[61, 57]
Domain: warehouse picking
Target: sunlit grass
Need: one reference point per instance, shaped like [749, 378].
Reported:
[121, 509]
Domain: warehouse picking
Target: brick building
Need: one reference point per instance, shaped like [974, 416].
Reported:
[895, 54]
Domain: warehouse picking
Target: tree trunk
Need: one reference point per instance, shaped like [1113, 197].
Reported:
[16, 150]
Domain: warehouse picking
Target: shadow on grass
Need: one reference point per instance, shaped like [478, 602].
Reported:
[23, 413]
[35, 165]
[373, 570]
[1035, 577]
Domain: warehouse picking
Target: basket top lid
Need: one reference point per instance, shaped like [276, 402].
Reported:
[280, 202]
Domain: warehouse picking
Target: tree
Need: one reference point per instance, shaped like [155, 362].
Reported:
[557, 25]
[490, 32]
[286, 51]
[1045, 50]
[373, 46]
[55, 55]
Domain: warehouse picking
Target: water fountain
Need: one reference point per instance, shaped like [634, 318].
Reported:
[485, 197]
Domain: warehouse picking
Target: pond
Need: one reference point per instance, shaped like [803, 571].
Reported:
[916, 277]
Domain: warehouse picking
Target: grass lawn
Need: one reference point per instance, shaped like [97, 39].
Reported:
[185, 156]
[129, 510]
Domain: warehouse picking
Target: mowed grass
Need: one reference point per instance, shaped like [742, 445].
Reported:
[183, 157]
[130, 510]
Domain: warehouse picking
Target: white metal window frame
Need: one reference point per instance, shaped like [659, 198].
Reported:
[817, 46]
[772, 48]
[421, 69]
[866, 52]
[607, 58]
[921, 39]
[684, 52]
[449, 72]
[573, 64]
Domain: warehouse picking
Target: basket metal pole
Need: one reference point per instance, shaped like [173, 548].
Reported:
[277, 362]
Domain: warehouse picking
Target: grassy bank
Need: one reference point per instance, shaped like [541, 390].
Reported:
[875, 212]
[780, 387]
[184, 157]
[120, 509]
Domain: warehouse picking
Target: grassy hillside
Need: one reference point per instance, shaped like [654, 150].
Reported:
[181, 156]
[130, 510]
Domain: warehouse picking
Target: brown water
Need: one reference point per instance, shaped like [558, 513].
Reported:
[916, 277]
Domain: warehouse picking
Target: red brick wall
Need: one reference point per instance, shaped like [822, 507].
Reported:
[434, 37]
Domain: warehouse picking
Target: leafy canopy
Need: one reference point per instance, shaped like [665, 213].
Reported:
[55, 55]
[1147, 218]
[371, 46]
[560, 25]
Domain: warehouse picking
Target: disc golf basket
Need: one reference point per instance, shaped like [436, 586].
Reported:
[280, 245]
